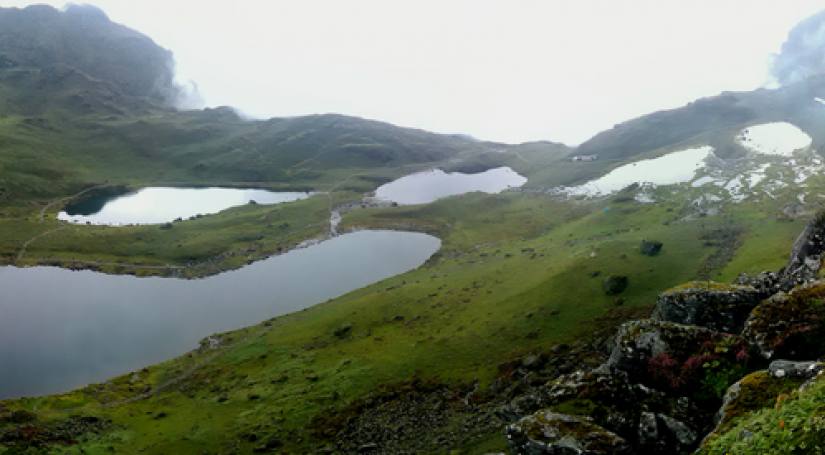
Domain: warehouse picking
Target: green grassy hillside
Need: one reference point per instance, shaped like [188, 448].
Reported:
[516, 274]
[519, 273]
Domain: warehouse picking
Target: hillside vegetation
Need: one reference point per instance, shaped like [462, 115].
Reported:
[529, 284]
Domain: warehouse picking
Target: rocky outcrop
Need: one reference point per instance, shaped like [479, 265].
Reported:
[672, 378]
[767, 283]
[547, 432]
[717, 306]
[791, 325]
[618, 404]
[680, 360]
[806, 254]
[611, 400]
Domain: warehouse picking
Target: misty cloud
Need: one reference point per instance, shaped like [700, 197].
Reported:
[803, 54]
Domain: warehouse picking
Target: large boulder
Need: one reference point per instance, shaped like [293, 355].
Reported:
[548, 432]
[616, 404]
[607, 397]
[789, 326]
[679, 359]
[720, 307]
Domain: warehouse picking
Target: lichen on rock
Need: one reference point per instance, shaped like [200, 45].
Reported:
[789, 325]
[548, 432]
[718, 307]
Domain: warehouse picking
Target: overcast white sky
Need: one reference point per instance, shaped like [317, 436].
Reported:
[506, 70]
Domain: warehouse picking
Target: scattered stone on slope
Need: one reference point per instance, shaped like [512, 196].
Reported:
[615, 284]
[415, 417]
[547, 432]
[717, 306]
[650, 247]
[38, 434]
[789, 325]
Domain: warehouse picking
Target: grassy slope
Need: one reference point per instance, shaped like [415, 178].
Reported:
[191, 248]
[46, 161]
[514, 275]
[793, 425]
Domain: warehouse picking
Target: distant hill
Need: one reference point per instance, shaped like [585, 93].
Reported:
[794, 103]
[81, 49]
[87, 100]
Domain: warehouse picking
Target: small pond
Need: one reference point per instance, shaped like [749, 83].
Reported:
[778, 138]
[155, 205]
[61, 329]
[675, 167]
[428, 186]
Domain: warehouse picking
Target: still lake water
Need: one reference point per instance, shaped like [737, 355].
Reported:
[155, 205]
[673, 168]
[61, 329]
[428, 186]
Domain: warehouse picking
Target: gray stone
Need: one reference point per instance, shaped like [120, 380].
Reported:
[718, 307]
[795, 370]
[547, 432]
[789, 325]
[659, 433]
[806, 254]
[638, 341]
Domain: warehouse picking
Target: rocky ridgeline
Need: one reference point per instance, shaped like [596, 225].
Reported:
[709, 353]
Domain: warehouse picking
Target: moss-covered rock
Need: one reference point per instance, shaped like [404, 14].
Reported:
[806, 254]
[618, 405]
[548, 432]
[719, 307]
[608, 398]
[758, 390]
[792, 423]
[679, 359]
[789, 326]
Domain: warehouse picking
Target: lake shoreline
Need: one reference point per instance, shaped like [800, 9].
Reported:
[175, 314]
